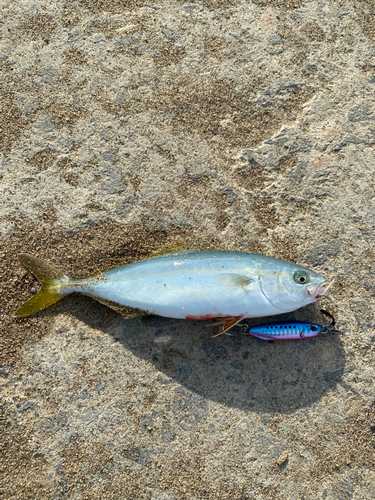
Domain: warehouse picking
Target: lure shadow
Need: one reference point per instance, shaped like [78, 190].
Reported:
[237, 371]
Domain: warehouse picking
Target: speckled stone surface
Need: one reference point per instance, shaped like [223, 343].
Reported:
[126, 127]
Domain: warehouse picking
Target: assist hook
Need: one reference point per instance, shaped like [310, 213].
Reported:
[332, 327]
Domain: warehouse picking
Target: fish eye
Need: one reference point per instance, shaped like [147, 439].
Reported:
[301, 277]
[313, 328]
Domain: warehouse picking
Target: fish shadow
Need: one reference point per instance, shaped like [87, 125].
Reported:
[237, 371]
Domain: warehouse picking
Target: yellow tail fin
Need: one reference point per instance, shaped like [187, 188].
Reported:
[50, 278]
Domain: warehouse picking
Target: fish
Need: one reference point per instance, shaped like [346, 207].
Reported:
[287, 330]
[195, 285]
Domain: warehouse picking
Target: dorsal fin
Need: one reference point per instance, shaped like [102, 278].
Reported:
[167, 249]
[170, 249]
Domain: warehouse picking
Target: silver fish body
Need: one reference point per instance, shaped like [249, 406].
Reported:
[204, 285]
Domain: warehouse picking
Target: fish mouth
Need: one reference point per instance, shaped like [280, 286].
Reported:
[320, 290]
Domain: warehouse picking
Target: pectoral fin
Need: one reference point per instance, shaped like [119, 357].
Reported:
[229, 323]
[235, 281]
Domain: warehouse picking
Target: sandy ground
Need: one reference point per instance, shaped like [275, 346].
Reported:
[126, 127]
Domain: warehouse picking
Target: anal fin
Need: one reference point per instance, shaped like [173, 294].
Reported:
[125, 311]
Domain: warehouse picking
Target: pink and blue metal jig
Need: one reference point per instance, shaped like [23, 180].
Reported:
[287, 330]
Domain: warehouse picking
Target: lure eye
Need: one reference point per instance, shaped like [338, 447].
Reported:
[301, 277]
[313, 328]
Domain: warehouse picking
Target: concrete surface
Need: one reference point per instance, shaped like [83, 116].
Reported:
[128, 126]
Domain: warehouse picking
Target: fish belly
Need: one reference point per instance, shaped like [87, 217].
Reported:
[179, 287]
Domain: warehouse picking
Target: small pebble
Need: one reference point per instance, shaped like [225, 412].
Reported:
[282, 458]
[164, 339]
[33, 290]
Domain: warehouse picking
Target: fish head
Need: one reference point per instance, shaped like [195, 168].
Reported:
[289, 286]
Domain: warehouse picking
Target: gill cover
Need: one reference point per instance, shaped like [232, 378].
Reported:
[280, 286]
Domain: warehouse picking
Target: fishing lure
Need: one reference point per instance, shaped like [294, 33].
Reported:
[198, 285]
[287, 330]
